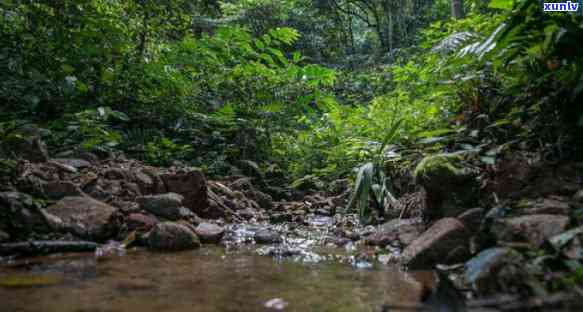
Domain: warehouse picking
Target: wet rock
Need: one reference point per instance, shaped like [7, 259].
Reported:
[551, 205]
[149, 181]
[30, 146]
[406, 230]
[435, 244]
[20, 215]
[381, 239]
[574, 235]
[4, 237]
[324, 212]
[266, 237]
[265, 201]
[131, 189]
[117, 174]
[191, 184]
[140, 221]
[280, 217]
[72, 162]
[90, 157]
[495, 270]
[450, 186]
[578, 197]
[167, 205]
[534, 229]
[248, 213]
[209, 233]
[145, 182]
[85, 217]
[472, 219]
[56, 190]
[170, 236]
[341, 241]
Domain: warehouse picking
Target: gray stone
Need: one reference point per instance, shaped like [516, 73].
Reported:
[578, 197]
[551, 205]
[494, 270]
[73, 162]
[117, 174]
[20, 215]
[4, 237]
[403, 230]
[265, 201]
[436, 244]
[85, 217]
[472, 218]
[191, 184]
[167, 205]
[56, 190]
[533, 229]
[170, 236]
[209, 233]
[140, 221]
[266, 236]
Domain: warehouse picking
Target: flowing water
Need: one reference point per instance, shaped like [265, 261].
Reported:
[207, 279]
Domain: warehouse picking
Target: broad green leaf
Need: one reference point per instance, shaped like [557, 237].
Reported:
[502, 4]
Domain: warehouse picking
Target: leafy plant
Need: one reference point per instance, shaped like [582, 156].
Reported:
[372, 183]
[92, 128]
[163, 151]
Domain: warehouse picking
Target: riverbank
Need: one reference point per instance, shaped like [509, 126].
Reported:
[514, 230]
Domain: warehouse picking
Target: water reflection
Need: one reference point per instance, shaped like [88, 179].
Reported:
[205, 280]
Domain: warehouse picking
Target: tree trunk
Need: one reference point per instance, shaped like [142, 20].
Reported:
[457, 9]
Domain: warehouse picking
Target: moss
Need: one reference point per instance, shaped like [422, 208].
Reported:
[440, 165]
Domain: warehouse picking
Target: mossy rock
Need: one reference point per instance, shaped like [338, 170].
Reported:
[451, 187]
[440, 165]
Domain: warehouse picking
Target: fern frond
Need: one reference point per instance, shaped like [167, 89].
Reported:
[454, 41]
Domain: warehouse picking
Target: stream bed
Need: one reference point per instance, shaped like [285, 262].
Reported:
[207, 279]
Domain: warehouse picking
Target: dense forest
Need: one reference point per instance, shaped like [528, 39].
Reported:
[380, 109]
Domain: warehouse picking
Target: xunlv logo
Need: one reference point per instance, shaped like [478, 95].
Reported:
[561, 7]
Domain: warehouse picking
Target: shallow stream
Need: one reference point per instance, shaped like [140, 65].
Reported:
[206, 279]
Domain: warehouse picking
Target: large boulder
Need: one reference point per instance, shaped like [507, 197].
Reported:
[84, 217]
[191, 184]
[533, 229]
[20, 215]
[451, 187]
[446, 241]
[170, 236]
[495, 270]
[169, 205]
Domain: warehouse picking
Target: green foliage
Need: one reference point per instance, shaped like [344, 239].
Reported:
[372, 183]
[163, 151]
[92, 128]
